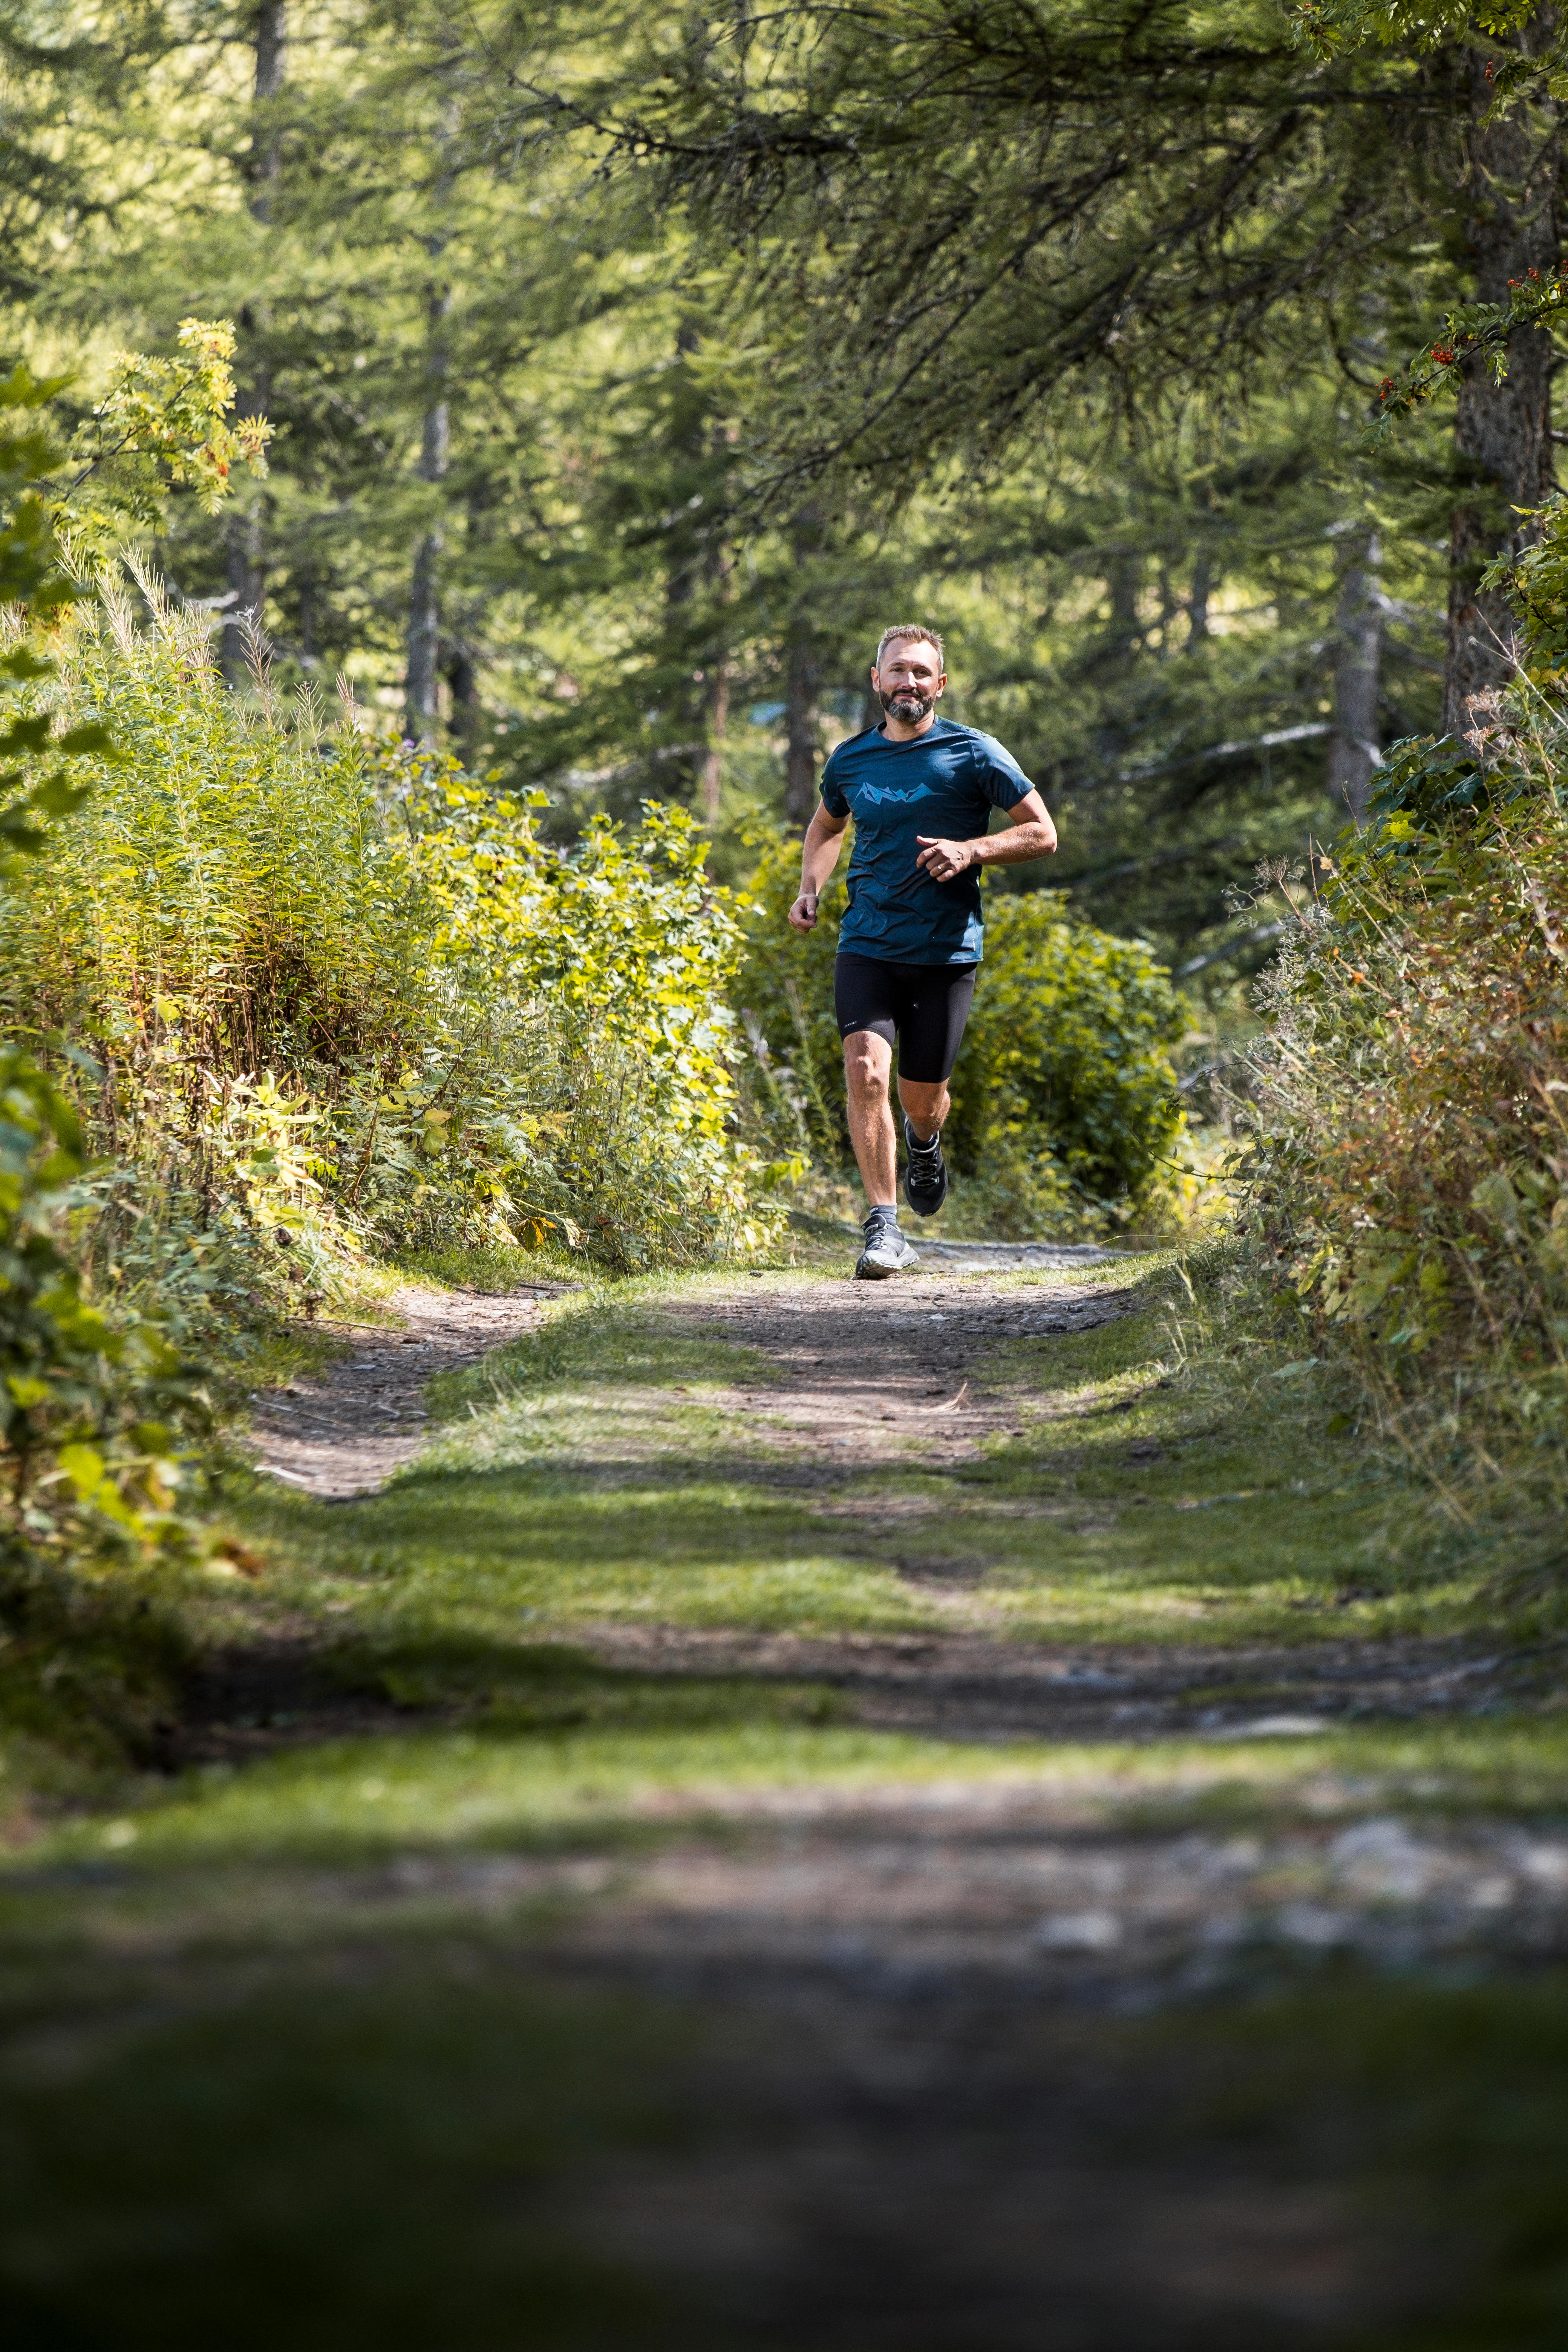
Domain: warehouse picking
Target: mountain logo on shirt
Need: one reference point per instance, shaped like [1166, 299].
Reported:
[883, 795]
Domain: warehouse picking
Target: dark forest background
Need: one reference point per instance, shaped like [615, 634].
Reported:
[627, 375]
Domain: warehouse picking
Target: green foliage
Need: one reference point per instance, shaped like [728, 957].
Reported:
[34, 590]
[1471, 332]
[1064, 1100]
[87, 1448]
[1333, 27]
[785, 994]
[1144, 619]
[88, 1402]
[172, 412]
[342, 999]
[1064, 1097]
[1538, 583]
[1408, 1170]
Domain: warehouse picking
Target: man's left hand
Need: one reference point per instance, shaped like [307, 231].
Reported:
[944, 859]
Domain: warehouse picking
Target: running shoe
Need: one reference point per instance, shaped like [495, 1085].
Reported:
[925, 1173]
[885, 1251]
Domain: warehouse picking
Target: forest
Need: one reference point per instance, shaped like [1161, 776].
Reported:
[455, 467]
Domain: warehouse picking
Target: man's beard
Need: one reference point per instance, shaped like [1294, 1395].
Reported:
[922, 703]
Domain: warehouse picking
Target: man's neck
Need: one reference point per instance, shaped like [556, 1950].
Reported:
[904, 730]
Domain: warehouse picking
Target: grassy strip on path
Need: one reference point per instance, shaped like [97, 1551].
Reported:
[623, 1466]
[617, 1465]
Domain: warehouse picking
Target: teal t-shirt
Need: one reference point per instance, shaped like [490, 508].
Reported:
[944, 784]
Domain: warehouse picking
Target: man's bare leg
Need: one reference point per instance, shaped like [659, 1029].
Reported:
[868, 1061]
[927, 1106]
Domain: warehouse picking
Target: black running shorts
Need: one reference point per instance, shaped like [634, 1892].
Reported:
[925, 1005]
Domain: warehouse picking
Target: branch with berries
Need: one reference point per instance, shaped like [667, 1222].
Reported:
[1476, 331]
[1519, 69]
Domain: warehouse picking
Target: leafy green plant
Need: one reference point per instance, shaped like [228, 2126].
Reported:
[347, 997]
[87, 1405]
[88, 1453]
[164, 423]
[1407, 1173]
[35, 590]
[1065, 1098]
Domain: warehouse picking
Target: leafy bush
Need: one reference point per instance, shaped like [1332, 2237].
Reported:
[1408, 1170]
[1064, 1096]
[340, 999]
[89, 1450]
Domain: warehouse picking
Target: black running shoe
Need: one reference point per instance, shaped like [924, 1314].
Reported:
[925, 1173]
[884, 1250]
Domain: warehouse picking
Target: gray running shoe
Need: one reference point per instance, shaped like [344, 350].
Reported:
[885, 1251]
[925, 1173]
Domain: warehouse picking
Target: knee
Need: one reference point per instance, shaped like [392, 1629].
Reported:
[865, 1075]
[927, 1106]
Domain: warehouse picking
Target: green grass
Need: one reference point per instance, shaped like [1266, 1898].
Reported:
[613, 1466]
[600, 1755]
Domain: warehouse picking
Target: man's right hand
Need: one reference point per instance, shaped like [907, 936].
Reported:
[803, 914]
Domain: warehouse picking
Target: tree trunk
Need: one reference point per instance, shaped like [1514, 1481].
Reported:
[803, 684]
[462, 684]
[243, 535]
[804, 721]
[1358, 660]
[265, 161]
[1125, 581]
[1198, 601]
[421, 687]
[715, 680]
[698, 558]
[423, 690]
[245, 568]
[1502, 433]
[716, 715]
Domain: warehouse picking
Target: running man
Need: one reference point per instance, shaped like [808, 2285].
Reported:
[921, 790]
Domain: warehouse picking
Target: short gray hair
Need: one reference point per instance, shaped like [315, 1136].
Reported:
[908, 629]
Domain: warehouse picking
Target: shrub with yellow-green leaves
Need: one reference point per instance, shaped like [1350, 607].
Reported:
[89, 1404]
[1408, 1170]
[335, 998]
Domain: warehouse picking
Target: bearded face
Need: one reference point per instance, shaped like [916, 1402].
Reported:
[907, 702]
[907, 680]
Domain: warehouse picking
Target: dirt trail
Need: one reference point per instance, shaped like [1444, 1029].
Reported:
[866, 1366]
[1015, 1877]
[968, 2064]
[346, 1430]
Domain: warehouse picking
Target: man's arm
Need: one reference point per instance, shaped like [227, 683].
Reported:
[818, 856]
[1032, 836]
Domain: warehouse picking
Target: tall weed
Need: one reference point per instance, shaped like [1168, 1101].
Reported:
[1407, 1174]
[324, 999]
